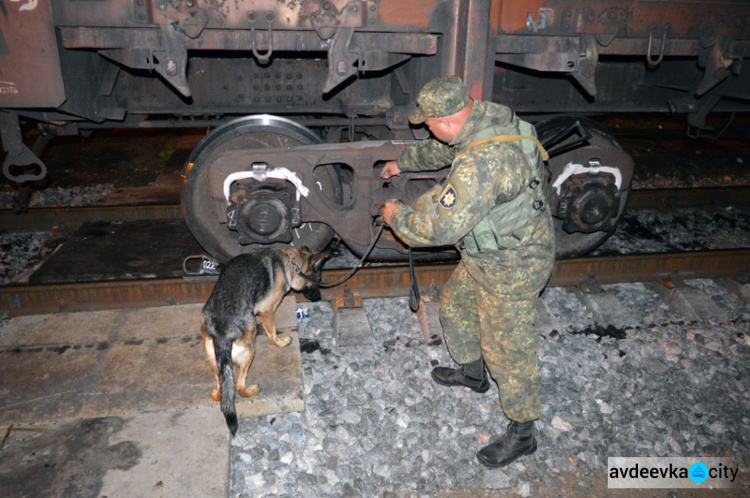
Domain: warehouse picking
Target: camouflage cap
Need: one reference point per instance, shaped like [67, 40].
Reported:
[439, 98]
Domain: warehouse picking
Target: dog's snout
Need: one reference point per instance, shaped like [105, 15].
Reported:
[312, 293]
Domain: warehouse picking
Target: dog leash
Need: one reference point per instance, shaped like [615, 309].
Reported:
[413, 287]
[209, 268]
[346, 277]
[414, 295]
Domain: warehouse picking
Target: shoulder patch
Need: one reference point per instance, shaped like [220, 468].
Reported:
[448, 198]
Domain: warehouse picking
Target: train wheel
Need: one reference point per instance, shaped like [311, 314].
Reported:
[250, 132]
[589, 187]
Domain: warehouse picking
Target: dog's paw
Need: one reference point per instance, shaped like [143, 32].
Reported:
[249, 392]
[283, 341]
[216, 395]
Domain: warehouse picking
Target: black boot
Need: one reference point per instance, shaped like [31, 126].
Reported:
[517, 441]
[471, 375]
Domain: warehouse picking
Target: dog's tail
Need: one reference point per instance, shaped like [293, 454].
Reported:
[223, 352]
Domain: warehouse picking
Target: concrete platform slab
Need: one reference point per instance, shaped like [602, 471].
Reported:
[83, 365]
[145, 455]
[120, 402]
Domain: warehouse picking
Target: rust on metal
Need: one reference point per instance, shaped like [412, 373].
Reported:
[57, 298]
[386, 281]
[30, 70]
[496, 16]
[651, 267]
[416, 13]
[239, 40]
[513, 14]
[475, 67]
[628, 19]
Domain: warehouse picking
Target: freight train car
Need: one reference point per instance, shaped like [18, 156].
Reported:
[307, 98]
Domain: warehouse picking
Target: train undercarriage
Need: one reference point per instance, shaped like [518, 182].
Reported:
[306, 100]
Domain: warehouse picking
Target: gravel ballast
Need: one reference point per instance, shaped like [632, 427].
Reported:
[376, 425]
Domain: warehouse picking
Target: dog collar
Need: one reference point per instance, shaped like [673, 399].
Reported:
[296, 268]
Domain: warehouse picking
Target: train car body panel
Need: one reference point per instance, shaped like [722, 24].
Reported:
[30, 72]
[266, 74]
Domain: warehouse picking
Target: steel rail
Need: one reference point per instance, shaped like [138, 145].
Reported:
[384, 281]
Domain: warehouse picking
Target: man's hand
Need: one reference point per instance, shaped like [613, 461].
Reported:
[388, 210]
[390, 169]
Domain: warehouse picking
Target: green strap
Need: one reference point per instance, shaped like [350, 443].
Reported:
[509, 138]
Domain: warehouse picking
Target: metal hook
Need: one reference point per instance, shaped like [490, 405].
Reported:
[656, 62]
[262, 58]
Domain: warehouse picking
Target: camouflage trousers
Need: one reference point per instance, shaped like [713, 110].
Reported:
[482, 324]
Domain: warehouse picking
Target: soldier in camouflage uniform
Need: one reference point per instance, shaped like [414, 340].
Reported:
[491, 207]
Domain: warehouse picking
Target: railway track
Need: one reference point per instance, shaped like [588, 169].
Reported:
[385, 281]
[388, 281]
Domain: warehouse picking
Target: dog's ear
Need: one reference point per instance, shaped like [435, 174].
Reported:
[293, 254]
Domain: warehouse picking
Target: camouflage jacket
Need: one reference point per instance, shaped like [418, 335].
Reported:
[479, 179]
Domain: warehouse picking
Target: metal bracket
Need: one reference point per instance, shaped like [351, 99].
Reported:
[651, 62]
[577, 56]
[252, 18]
[141, 11]
[697, 119]
[191, 18]
[357, 14]
[716, 65]
[193, 24]
[613, 21]
[340, 25]
[171, 60]
[587, 66]
[340, 60]
[18, 153]
[540, 23]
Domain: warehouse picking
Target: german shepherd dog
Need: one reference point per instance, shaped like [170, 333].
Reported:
[252, 284]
